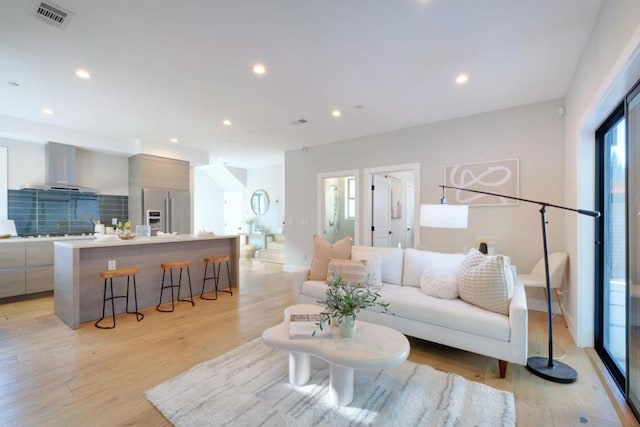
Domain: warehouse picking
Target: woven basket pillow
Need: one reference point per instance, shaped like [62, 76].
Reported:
[351, 271]
[486, 281]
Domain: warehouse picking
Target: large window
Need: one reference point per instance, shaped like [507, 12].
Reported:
[618, 250]
[612, 256]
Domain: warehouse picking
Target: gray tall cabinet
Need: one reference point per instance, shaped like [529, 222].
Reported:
[148, 172]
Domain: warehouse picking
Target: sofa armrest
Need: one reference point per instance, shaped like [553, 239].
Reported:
[299, 277]
[519, 321]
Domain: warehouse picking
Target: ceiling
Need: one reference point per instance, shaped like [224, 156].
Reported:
[163, 69]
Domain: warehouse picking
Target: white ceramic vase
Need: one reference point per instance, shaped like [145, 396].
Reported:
[347, 327]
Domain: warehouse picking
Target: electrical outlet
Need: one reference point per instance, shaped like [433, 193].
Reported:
[111, 265]
[114, 221]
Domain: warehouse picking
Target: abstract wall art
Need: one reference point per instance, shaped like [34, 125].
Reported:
[496, 176]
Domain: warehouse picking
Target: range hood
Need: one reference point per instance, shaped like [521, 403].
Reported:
[60, 170]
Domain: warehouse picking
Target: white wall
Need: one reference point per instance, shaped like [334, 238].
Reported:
[208, 202]
[609, 66]
[108, 173]
[533, 133]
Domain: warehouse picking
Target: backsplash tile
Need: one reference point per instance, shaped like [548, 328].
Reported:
[61, 212]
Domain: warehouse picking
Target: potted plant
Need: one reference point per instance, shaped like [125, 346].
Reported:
[343, 301]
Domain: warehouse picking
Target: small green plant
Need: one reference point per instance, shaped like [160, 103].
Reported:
[347, 299]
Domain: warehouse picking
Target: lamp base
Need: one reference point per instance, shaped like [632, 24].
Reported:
[558, 372]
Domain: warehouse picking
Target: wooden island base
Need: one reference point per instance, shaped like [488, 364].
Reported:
[78, 289]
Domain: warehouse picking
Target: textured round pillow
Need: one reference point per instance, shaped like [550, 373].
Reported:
[486, 281]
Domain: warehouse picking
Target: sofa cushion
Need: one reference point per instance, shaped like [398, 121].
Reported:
[350, 271]
[323, 251]
[373, 265]
[440, 281]
[410, 303]
[486, 281]
[416, 261]
[391, 261]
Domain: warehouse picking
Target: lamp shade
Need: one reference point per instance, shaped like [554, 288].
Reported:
[444, 216]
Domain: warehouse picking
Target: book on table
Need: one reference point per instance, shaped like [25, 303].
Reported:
[304, 326]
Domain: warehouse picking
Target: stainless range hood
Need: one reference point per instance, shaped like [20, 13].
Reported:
[60, 170]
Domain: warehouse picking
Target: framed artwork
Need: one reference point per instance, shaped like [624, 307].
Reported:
[497, 176]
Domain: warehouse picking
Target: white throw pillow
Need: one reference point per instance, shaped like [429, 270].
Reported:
[486, 281]
[440, 281]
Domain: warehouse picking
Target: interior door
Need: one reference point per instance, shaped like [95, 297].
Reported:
[410, 215]
[381, 215]
[232, 213]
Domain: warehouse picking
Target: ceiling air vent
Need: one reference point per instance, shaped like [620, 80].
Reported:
[299, 122]
[51, 13]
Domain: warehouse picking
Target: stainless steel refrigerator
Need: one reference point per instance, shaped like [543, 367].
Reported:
[167, 211]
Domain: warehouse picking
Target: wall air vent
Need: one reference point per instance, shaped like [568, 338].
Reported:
[51, 13]
[299, 122]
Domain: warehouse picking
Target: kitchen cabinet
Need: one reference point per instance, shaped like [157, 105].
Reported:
[39, 266]
[26, 265]
[12, 269]
[147, 172]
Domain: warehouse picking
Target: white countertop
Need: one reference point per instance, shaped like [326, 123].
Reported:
[45, 239]
[137, 241]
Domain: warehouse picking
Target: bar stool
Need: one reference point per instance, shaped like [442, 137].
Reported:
[110, 274]
[171, 266]
[216, 259]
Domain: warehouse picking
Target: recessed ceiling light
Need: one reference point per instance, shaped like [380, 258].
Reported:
[462, 79]
[174, 140]
[259, 69]
[48, 111]
[226, 122]
[83, 74]
[359, 106]
[336, 113]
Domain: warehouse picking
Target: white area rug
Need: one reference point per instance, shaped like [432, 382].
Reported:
[249, 387]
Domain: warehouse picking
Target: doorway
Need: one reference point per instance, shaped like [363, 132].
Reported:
[390, 206]
[338, 202]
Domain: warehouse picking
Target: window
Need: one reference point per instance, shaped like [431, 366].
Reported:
[350, 195]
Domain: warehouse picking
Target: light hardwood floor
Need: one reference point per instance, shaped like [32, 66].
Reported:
[51, 375]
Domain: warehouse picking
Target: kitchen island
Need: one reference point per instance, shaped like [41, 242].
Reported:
[78, 289]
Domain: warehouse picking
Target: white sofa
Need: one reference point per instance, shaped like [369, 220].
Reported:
[454, 323]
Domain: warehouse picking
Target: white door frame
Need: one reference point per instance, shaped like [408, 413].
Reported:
[320, 201]
[366, 187]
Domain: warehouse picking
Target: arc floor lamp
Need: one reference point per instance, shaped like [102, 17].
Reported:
[455, 216]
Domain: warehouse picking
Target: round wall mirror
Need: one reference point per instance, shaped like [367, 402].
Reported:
[259, 202]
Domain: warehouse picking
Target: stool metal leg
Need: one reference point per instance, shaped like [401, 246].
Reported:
[171, 285]
[139, 316]
[104, 301]
[190, 290]
[204, 279]
[228, 279]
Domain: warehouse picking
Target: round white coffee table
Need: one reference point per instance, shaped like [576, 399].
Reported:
[373, 347]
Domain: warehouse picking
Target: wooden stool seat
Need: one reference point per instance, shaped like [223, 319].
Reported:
[121, 272]
[171, 266]
[215, 260]
[177, 264]
[109, 275]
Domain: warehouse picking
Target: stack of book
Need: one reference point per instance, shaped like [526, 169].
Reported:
[307, 326]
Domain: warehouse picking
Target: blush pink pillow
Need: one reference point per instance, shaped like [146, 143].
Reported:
[323, 251]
